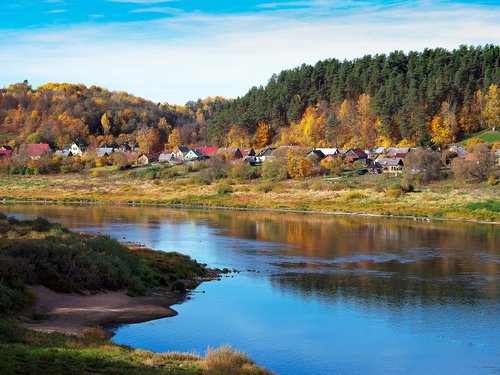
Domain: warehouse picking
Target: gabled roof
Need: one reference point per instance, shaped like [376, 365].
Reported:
[38, 149]
[5, 152]
[198, 154]
[358, 152]
[6, 148]
[247, 151]
[101, 151]
[208, 151]
[183, 149]
[149, 155]
[397, 150]
[390, 162]
[328, 151]
[266, 152]
[318, 153]
[379, 150]
[459, 151]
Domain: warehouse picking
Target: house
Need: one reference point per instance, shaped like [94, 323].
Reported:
[181, 152]
[166, 156]
[496, 155]
[63, 153]
[329, 151]
[380, 150]
[208, 151]
[76, 149]
[391, 165]
[374, 167]
[6, 148]
[230, 153]
[316, 153]
[397, 152]
[458, 151]
[355, 154]
[196, 155]
[123, 148]
[37, 150]
[104, 151]
[147, 158]
[247, 151]
[264, 154]
[5, 153]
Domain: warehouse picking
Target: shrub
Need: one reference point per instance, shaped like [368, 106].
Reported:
[492, 181]
[265, 187]
[394, 193]
[422, 165]
[241, 170]
[224, 189]
[225, 361]
[354, 195]
[179, 286]
[477, 168]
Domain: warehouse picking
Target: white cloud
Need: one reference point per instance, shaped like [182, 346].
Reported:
[198, 55]
[56, 11]
[164, 10]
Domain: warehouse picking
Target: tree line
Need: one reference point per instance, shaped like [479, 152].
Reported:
[431, 97]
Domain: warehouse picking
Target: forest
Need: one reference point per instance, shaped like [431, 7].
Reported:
[430, 97]
[433, 97]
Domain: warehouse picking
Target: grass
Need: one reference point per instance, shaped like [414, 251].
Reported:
[487, 205]
[487, 136]
[44, 253]
[446, 198]
[29, 352]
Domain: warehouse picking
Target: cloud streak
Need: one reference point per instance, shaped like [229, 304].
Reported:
[193, 55]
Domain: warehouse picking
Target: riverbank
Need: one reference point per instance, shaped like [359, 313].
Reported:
[58, 288]
[450, 200]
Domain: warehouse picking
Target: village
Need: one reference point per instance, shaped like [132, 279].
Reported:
[75, 157]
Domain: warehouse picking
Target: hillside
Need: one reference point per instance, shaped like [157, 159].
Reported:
[434, 96]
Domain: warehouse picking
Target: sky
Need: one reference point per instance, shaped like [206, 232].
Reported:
[180, 50]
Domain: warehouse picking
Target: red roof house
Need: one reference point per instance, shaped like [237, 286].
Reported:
[5, 153]
[355, 154]
[36, 151]
[208, 151]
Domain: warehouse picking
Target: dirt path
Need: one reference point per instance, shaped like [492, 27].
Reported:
[71, 313]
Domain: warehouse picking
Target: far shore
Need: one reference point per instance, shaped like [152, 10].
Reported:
[249, 209]
[74, 313]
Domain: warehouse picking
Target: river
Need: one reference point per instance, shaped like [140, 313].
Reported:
[319, 294]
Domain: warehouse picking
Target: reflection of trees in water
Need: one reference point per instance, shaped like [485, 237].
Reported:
[375, 288]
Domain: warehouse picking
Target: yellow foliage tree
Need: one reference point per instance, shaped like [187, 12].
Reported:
[444, 126]
[366, 130]
[175, 138]
[238, 137]
[263, 135]
[492, 107]
[106, 124]
[299, 166]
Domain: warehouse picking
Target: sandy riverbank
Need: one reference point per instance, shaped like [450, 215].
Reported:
[72, 313]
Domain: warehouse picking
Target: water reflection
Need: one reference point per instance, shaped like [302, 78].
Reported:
[328, 294]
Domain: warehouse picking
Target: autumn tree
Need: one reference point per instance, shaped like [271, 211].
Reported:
[106, 124]
[492, 107]
[422, 165]
[175, 138]
[444, 127]
[238, 137]
[149, 140]
[263, 135]
[299, 165]
[477, 167]
[366, 131]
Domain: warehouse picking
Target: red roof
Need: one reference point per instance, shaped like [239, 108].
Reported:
[5, 152]
[38, 149]
[209, 151]
[400, 155]
[359, 152]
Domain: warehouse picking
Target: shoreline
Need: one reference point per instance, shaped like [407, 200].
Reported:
[73, 313]
[249, 209]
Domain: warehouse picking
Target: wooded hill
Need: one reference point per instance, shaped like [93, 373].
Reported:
[386, 99]
[61, 113]
[434, 96]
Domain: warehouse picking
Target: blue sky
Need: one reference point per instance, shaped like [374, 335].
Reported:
[180, 50]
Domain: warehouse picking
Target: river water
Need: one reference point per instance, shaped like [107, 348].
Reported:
[319, 294]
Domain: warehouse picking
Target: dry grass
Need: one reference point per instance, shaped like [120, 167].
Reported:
[448, 199]
[225, 361]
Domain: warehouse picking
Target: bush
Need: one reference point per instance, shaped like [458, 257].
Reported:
[265, 187]
[243, 171]
[354, 195]
[224, 189]
[179, 286]
[225, 361]
[492, 181]
[394, 193]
